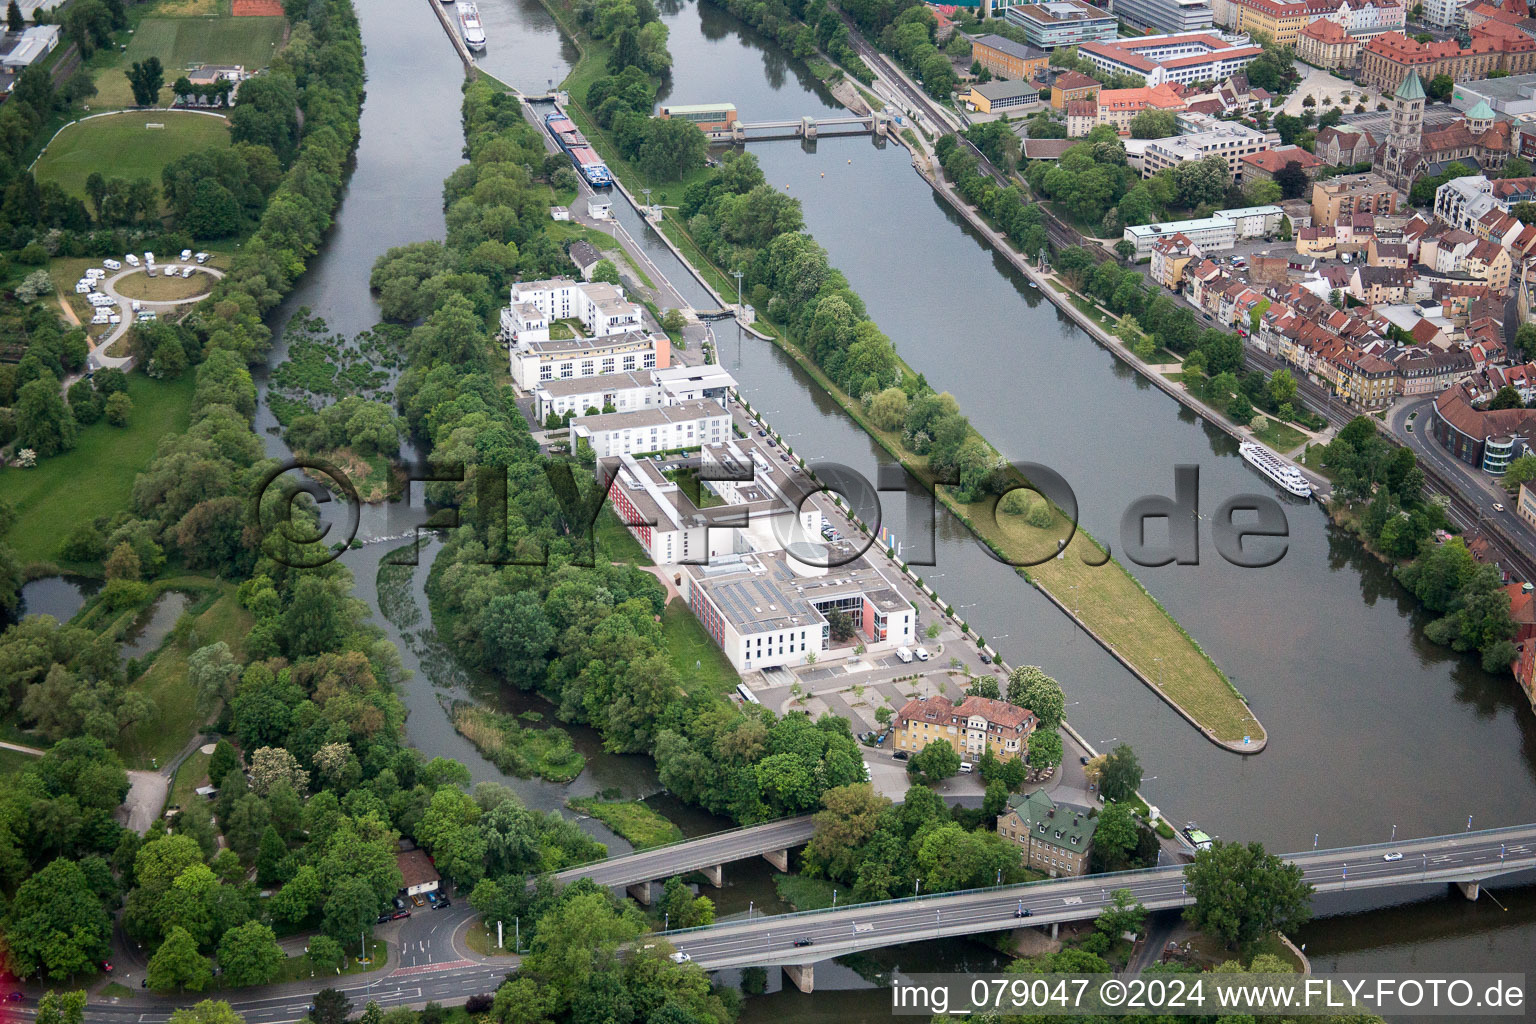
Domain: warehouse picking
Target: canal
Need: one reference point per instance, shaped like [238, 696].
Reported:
[1370, 726]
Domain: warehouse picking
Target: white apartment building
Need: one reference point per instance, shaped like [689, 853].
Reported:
[1445, 14]
[1206, 136]
[599, 333]
[624, 392]
[660, 428]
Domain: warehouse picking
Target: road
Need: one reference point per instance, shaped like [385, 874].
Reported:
[681, 858]
[1472, 492]
[940, 120]
[782, 939]
[98, 357]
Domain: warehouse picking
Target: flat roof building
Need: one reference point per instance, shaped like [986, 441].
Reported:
[1062, 23]
[710, 117]
[1181, 57]
[599, 330]
[35, 43]
[1209, 233]
[1165, 15]
[1205, 137]
[997, 97]
[659, 428]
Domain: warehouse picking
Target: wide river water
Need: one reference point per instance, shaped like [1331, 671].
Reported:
[1370, 726]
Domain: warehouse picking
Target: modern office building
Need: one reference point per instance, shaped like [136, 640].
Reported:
[1183, 57]
[1205, 136]
[1056, 23]
[1165, 15]
[662, 428]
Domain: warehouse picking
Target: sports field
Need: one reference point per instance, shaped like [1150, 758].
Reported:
[121, 146]
[181, 43]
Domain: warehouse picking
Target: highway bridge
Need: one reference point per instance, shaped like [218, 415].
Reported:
[797, 941]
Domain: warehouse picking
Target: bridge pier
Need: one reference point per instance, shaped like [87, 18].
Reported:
[778, 858]
[802, 976]
[1471, 890]
[641, 891]
[808, 127]
[716, 875]
[1055, 928]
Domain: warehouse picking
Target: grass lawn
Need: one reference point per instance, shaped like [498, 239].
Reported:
[699, 661]
[480, 937]
[121, 146]
[163, 287]
[192, 773]
[631, 819]
[183, 42]
[570, 231]
[615, 542]
[96, 478]
[13, 761]
[298, 968]
[165, 682]
[1282, 437]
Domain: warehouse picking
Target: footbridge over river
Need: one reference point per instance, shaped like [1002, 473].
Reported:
[1466, 859]
[877, 124]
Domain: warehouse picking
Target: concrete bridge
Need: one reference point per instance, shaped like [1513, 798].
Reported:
[797, 941]
[709, 854]
[876, 124]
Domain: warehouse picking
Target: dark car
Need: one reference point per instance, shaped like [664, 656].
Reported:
[384, 919]
[986, 659]
[802, 941]
[399, 914]
[1083, 760]
[399, 903]
[1023, 912]
[14, 997]
[442, 902]
[900, 755]
[762, 433]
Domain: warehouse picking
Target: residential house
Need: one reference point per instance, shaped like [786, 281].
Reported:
[1053, 838]
[1263, 166]
[974, 725]
[1344, 145]
[1072, 85]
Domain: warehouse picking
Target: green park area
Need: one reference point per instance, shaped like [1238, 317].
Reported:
[96, 477]
[124, 146]
[183, 42]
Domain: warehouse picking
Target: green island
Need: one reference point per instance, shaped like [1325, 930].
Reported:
[643, 827]
[516, 749]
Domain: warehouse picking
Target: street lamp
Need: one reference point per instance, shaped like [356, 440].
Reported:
[917, 887]
[749, 910]
[1394, 833]
[1314, 840]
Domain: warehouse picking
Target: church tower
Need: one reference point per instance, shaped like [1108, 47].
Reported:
[1406, 133]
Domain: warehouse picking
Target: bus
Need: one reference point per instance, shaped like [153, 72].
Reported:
[746, 694]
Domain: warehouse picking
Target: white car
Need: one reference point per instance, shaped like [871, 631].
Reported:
[149, 258]
[1392, 856]
[186, 254]
[903, 655]
[680, 957]
[202, 257]
[114, 318]
[136, 304]
[131, 260]
[1497, 507]
[112, 264]
[922, 653]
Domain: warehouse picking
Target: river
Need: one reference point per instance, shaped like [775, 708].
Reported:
[1370, 726]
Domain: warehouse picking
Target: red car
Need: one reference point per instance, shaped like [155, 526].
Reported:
[106, 966]
[397, 915]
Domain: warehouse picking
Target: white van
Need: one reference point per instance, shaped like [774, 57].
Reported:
[202, 257]
[186, 271]
[82, 286]
[1344, 258]
[132, 260]
[95, 274]
[903, 655]
[146, 316]
[112, 264]
[186, 254]
[965, 767]
[149, 258]
[114, 318]
[101, 317]
[136, 305]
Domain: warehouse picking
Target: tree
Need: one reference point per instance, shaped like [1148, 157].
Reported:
[145, 78]
[1439, 87]
[1122, 774]
[43, 422]
[888, 409]
[1029, 687]
[1115, 837]
[1521, 471]
[1243, 894]
[673, 320]
[1506, 398]
[350, 909]
[1124, 915]
[178, 965]
[57, 926]
[605, 272]
[118, 407]
[1153, 124]
[331, 1007]
[325, 953]
[249, 954]
[273, 766]
[1045, 748]
[209, 1011]
[849, 817]
[14, 22]
[934, 763]
[1282, 386]
[672, 148]
[61, 1008]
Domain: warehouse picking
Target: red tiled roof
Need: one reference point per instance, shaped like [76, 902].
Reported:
[1273, 160]
[1068, 81]
[1325, 31]
[996, 712]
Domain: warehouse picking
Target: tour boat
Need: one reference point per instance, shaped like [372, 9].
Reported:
[1276, 468]
[470, 27]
